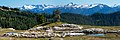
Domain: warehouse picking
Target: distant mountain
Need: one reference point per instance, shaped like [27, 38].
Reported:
[72, 8]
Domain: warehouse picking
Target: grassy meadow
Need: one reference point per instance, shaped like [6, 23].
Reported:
[106, 37]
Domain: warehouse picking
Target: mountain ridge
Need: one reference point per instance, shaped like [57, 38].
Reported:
[72, 8]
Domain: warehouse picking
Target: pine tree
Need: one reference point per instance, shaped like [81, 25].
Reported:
[57, 15]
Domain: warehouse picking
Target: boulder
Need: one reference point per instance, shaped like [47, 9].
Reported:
[11, 29]
[93, 30]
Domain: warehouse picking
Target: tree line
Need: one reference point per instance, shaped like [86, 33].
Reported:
[96, 19]
[19, 20]
[23, 20]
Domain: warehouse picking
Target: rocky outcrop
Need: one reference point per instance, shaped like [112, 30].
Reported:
[93, 30]
[67, 27]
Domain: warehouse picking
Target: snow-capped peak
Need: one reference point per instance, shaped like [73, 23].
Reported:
[43, 6]
[93, 5]
[85, 6]
[73, 8]
[28, 7]
[46, 6]
[101, 5]
[70, 4]
[116, 5]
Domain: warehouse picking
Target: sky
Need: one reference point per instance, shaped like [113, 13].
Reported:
[19, 3]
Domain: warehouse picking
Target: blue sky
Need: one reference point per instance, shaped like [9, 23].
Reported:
[19, 3]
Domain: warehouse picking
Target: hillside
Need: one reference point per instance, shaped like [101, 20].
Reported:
[14, 18]
[98, 19]
[10, 18]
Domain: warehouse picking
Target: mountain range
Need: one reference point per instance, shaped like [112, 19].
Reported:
[72, 8]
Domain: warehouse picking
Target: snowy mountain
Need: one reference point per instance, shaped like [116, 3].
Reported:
[72, 8]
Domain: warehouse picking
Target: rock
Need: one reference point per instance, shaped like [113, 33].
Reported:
[67, 27]
[118, 31]
[11, 29]
[93, 30]
[37, 28]
[10, 34]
